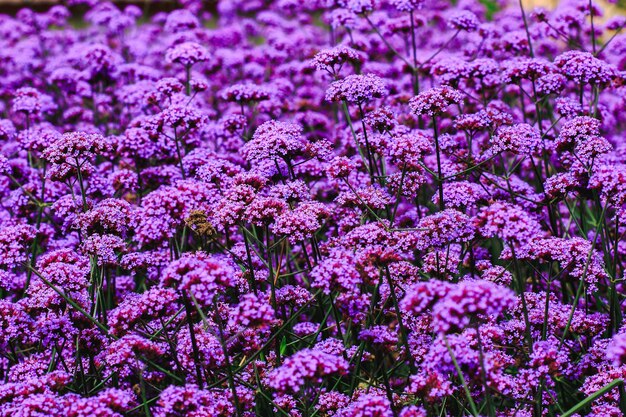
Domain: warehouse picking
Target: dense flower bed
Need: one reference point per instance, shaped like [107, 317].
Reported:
[350, 208]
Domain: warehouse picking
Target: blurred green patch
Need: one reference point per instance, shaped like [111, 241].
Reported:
[491, 7]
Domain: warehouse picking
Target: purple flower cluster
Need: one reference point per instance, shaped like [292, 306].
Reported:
[348, 208]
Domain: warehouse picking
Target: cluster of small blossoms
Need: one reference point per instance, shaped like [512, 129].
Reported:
[349, 208]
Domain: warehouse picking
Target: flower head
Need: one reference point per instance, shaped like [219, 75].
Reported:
[520, 139]
[187, 53]
[357, 89]
[435, 101]
[306, 366]
[274, 139]
[470, 301]
[584, 68]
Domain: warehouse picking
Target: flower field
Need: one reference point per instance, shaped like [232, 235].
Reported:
[321, 208]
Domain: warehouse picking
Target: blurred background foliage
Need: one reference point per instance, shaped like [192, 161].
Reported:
[610, 8]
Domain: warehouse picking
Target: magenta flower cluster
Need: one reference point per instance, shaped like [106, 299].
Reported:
[320, 208]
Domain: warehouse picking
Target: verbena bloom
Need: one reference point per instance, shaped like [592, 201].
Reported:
[547, 358]
[236, 210]
[4, 165]
[109, 216]
[461, 194]
[180, 21]
[407, 5]
[337, 272]
[126, 356]
[274, 139]
[443, 228]
[340, 167]
[576, 255]
[331, 60]
[17, 325]
[616, 351]
[210, 352]
[508, 222]
[201, 275]
[577, 130]
[302, 222]
[464, 20]
[584, 68]
[520, 139]
[360, 6]
[435, 101]
[307, 366]
[106, 248]
[244, 93]
[191, 400]
[73, 148]
[560, 184]
[187, 53]
[357, 89]
[408, 150]
[369, 405]
[253, 312]
[468, 302]
[27, 100]
[422, 296]
[151, 305]
[382, 119]
[528, 68]
[13, 242]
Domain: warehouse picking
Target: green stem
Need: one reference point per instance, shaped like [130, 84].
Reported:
[460, 373]
[599, 393]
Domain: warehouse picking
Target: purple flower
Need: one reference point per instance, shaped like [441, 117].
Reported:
[187, 54]
[469, 302]
[360, 6]
[357, 89]
[340, 167]
[180, 21]
[126, 356]
[224, 211]
[74, 148]
[508, 222]
[202, 276]
[307, 366]
[190, 400]
[151, 305]
[27, 100]
[13, 243]
[245, 93]
[435, 101]
[302, 222]
[331, 60]
[577, 130]
[584, 68]
[519, 139]
[105, 248]
[109, 216]
[210, 351]
[382, 119]
[274, 139]
[616, 351]
[463, 20]
[252, 312]
[407, 5]
[443, 228]
[408, 150]
[368, 405]
[422, 296]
